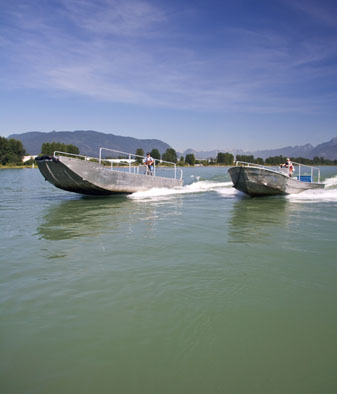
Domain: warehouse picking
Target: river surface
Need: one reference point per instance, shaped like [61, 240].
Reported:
[196, 290]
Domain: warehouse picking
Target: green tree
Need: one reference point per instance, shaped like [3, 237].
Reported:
[45, 148]
[4, 150]
[48, 148]
[155, 154]
[225, 158]
[190, 159]
[246, 158]
[11, 151]
[181, 161]
[72, 149]
[140, 152]
[170, 155]
[229, 159]
[220, 158]
[275, 160]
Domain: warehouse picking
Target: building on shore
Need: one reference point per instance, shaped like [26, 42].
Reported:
[29, 157]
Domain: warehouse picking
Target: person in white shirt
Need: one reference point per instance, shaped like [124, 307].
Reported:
[148, 161]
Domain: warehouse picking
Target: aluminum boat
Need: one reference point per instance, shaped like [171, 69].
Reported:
[103, 176]
[258, 180]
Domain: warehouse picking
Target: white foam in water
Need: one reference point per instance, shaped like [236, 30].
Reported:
[196, 187]
[329, 194]
[331, 182]
[225, 189]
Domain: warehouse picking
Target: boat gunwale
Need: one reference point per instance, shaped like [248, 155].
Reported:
[245, 165]
[98, 160]
[106, 168]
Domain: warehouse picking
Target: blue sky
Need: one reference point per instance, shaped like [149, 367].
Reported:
[249, 74]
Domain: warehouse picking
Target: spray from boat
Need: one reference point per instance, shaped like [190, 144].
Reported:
[203, 186]
[226, 190]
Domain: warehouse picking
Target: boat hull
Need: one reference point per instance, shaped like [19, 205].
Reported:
[256, 181]
[85, 177]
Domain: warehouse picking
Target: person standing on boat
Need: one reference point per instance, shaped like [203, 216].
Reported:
[149, 162]
[288, 164]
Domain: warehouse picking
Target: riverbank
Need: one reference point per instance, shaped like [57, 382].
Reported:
[16, 167]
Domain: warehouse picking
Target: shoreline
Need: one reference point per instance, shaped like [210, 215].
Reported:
[16, 167]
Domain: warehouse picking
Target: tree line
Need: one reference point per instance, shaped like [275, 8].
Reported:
[222, 159]
[169, 155]
[48, 148]
[277, 160]
[189, 159]
[12, 152]
[228, 159]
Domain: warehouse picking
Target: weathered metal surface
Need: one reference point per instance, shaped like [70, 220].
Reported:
[87, 177]
[257, 181]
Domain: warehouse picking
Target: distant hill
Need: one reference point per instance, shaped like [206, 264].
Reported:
[328, 150]
[88, 141]
[293, 151]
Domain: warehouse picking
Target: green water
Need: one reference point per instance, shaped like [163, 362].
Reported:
[198, 291]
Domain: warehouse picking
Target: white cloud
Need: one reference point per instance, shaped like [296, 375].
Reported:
[129, 18]
[322, 12]
[116, 51]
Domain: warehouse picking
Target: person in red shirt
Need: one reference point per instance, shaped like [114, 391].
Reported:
[288, 164]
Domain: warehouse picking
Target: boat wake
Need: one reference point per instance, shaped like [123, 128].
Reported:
[328, 194]
[224, 188]
[331, 183]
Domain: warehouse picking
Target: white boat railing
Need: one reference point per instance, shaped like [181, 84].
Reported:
[302, 172]
[169, 170]
[247, 164]
[131, 157]
[59, 153]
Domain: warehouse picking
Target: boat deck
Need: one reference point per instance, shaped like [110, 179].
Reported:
[86, 175]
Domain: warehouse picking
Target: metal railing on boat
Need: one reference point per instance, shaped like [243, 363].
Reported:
[314, 172]
[159, 167]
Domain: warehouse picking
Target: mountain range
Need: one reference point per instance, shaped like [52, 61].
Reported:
[89, 142]
[328, 150]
